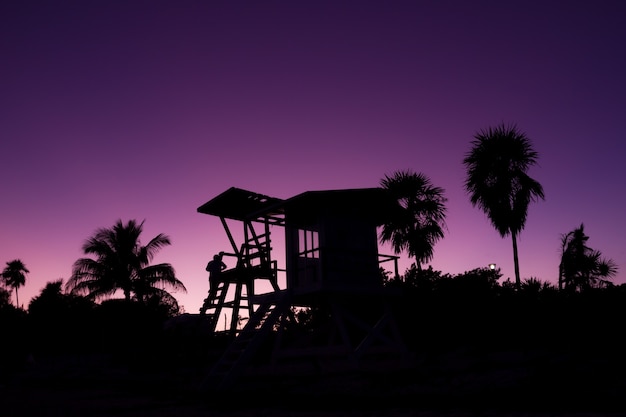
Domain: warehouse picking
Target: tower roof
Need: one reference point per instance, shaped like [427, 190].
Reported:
[374, 204]
[239, 204]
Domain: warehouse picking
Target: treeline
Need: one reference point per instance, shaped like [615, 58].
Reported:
[438, 311]
[459, 327]
[59, 324]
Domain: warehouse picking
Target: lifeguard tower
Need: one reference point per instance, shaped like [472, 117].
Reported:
[331, 266]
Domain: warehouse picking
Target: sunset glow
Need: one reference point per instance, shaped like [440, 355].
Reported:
[148, 109]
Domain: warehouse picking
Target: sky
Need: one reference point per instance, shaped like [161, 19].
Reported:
[146, 110]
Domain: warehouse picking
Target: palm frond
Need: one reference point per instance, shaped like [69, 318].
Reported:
[418, 220]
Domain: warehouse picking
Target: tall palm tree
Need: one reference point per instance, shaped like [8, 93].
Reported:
[497, 181]
[122, 263]
[419, 220]
[14, 275]
[581, 267]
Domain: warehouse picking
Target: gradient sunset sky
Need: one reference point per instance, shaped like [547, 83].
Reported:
[147, 109]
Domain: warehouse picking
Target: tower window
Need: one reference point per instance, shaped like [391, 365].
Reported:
[309, 245]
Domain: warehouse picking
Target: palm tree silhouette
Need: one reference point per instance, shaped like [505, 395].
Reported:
[14, 275]
[581, 267]
[498, 183]
[419, 220]
[123, 264]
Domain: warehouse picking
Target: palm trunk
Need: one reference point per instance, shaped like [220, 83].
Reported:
[516, 261]
[17, 300]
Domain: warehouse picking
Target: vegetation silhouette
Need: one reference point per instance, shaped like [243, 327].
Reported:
[14, 276]
[122, 263]
[477, 339]
[419, 218]
[582, 267]
[497, 180]
[14, 345]
[5, 296]
[60, 322]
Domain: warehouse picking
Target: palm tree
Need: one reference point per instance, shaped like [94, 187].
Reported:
[581, 267]
[498, 183]
[14, 275]
[123, 264]
[419, 220]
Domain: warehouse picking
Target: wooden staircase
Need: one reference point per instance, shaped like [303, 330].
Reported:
[232, 364]
[214, 304]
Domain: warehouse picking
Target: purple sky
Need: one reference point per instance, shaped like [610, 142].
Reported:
[147, 109]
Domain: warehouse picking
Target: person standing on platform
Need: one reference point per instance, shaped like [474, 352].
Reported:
[215, 268]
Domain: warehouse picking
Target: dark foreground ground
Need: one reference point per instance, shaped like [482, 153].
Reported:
[459, 383]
